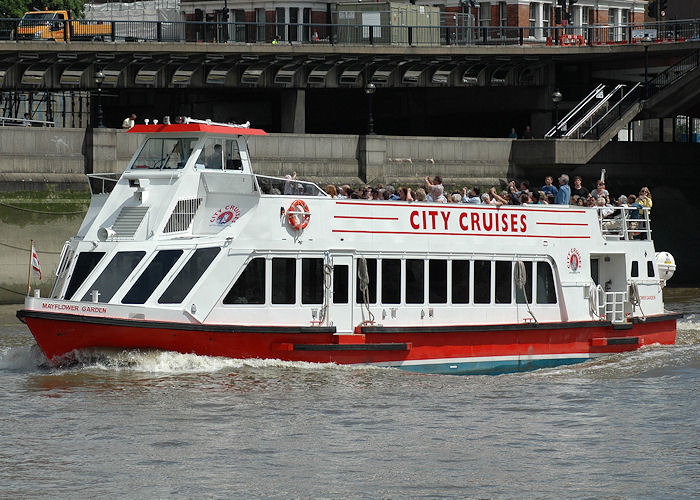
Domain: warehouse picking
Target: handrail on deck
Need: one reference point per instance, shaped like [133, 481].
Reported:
[625, 222]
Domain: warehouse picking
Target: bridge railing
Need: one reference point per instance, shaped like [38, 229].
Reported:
[447, 30]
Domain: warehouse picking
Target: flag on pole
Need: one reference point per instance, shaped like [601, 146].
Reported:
[36, 267]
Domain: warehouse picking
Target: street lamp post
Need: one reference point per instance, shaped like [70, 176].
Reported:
[370, 89]
[646, 41]
[556, 99]
[99, 78]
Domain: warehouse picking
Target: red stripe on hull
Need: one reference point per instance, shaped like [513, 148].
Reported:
[59, 337]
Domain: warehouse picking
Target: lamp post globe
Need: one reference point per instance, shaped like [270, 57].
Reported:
[646, 42]
[556, 99]
[370, 89]
[99, 78]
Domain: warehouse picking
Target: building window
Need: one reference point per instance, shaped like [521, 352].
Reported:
[485, 14]
[249, 288]
[280, 20]
[260, 25]
[503, 13]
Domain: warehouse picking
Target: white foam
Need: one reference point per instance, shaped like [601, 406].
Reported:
[21, 358]
[164, 362]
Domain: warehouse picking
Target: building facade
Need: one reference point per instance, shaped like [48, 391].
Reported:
[262, 21]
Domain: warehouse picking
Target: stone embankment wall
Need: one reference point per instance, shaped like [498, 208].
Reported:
[31, 158]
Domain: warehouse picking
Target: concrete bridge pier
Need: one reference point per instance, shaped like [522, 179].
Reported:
[293, 109]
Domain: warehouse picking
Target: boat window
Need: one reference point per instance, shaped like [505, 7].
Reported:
[220, 153]
[504, 282]
[249, 288]
[114, 275]
[152, 276]
[460, 281]
[482, 281]
[284, 278]
[634, 273]
[391, 278]
[437, 281]
[546, 293]
[519, 297]
[650, 269]
[415, 281]
[83, 267]
[158, 153]
[340, 284]
[189, 275]
[372, 281]
[312, 281]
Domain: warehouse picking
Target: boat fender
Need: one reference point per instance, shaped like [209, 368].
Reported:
[594, 300]
[298, 215]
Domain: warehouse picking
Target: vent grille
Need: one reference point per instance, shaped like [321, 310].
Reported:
[182, 216]
[128, 222]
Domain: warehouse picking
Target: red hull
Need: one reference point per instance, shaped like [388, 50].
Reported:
[60, 334]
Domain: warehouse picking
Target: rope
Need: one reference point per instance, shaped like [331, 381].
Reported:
[13, 291]
[40, 211]
[520, 279]
[363, 276]
[26, 249]
[327, 286]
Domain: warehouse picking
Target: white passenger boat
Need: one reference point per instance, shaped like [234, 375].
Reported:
[191, 251]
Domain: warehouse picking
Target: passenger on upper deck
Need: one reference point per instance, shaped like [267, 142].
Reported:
[563, 196]
[644, 198]
[601, 191]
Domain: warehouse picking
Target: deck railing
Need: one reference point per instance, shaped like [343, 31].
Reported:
[625, 223]
[448, 30]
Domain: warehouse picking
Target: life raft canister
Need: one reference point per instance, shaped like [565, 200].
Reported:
[298, 215]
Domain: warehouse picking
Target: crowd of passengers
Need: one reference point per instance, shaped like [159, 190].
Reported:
[515, 194]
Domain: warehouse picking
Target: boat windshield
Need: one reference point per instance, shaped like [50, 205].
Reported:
[159, 153]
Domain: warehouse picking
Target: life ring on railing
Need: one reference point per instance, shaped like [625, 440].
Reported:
[298, 215]
[579, 41]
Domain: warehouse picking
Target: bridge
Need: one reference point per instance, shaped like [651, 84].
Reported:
[444, 88]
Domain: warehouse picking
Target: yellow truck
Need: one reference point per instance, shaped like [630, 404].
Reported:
[56, 25]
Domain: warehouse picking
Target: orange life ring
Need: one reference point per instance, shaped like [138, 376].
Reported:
[298, 215]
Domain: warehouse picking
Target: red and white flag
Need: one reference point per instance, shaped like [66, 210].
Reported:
[36, 267]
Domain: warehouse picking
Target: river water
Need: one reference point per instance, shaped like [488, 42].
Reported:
[154, 425]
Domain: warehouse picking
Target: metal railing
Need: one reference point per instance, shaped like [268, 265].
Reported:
[103, 183]
[625, 222]
[672, 74]
[23, 122]
[451, 29]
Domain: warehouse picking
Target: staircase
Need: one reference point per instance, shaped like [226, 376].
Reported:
[607, 109]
